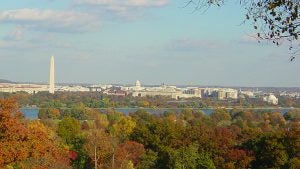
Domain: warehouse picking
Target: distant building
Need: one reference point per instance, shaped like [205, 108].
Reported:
[138, 85]
[271, 99]
[247, 93]
[190, 93]
[164, 90]
[220, 93]
[115, 91]
[210, 92]
[72, 89]
[99, 88]
[157, 91]
[28, 88]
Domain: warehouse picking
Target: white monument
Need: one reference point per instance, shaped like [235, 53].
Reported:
[51, 80]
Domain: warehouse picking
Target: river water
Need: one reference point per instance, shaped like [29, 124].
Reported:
[32, 113]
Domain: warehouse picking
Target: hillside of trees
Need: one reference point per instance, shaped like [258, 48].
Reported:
[86, 138]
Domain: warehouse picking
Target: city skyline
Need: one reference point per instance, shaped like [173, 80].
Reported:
[155, 41]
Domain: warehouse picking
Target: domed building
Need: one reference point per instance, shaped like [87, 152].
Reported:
[271, 99]
[138, 85]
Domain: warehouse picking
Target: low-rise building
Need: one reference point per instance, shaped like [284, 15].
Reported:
[29, 88]
[220, 93]
[164, 90]
[72, 88]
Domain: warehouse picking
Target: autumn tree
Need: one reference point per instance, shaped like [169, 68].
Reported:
[129, 151]
[100, 148]
[143, 103]
[27, 145]
[45, 113]
[101, 121]
[220, 116]
[293, 115]
[123, 128]
[187, 114]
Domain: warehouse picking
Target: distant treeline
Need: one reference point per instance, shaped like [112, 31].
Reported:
[99, 100]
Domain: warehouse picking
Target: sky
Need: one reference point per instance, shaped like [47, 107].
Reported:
[121, 41]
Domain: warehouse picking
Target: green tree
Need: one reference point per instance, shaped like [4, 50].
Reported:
[269, 151]
[79, 111]
[148, 160]
[185, 157]
[81, 159]
[104, 103]
[129, 165]
[68, 129]
[204, 161]
[292, 115]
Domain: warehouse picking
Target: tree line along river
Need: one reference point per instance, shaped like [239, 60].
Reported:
[32, 113]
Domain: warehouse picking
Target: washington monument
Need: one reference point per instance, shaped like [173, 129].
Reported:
[51, 80]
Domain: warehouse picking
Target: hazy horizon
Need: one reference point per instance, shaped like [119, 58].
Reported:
[150, 84]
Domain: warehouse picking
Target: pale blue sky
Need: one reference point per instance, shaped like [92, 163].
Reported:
[120, 41]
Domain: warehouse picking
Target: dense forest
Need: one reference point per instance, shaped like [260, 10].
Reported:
[82, 137]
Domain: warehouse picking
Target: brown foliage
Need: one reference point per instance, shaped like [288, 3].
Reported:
[129, 151]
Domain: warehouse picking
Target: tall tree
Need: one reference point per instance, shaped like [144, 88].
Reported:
[99, 148]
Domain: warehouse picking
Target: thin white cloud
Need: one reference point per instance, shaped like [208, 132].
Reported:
[253, 39]
[122, 8]
[125, 3]
[250, 38]
[192, 44]
[14, 35]
[24, 40]
[50, 21]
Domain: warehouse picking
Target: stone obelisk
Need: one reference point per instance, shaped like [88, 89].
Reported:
[51, 80]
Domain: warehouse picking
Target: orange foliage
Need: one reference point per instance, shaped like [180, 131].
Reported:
[27, 145]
